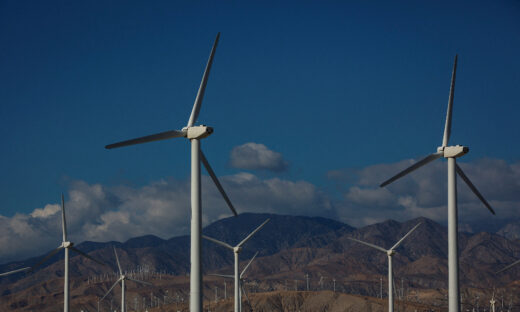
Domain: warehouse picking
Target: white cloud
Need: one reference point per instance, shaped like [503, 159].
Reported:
[101, 213]
[254, 156]
[48, 210]
[424, 193]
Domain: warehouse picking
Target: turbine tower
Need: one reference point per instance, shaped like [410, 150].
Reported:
[451, 153]
[194, 134]
[390, 253]
[238, 296]
[122, 279]
[65, 244]
[236, 250]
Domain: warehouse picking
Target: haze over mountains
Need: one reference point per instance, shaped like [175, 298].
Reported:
[291, 247]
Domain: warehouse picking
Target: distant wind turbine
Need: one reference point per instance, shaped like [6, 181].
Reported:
[66, 245]
[390, 253]
[194, 134]
[241, 285]
[236, 250]
[122, 278]
[451, 153]
[492, 302]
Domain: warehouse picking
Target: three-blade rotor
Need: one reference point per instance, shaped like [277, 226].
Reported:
[383, 249]
[65, 242]
[122, 277]
[216, 241]
[441, 151]
[184, 132]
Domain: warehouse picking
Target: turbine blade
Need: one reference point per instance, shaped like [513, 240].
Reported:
[118, 264]
[248, 264]
[245, 293]
[47, 257]
[368, 244]
[222, 275]
[149, 138]
[473, 188]
[85, 255]
[110, 289]
[137, 281]
[509, 266]
[63, 222]
[253, 233]
[200, 94]
[404, 237]
[15, 271]
[447, 126]
[216, 241]
[217, 183]
[413, 167]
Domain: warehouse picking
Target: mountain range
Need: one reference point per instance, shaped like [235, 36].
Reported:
[290, 249]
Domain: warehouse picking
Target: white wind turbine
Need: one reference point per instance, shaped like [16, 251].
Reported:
[240, 279]
[66, 245]
[194, 134]
[492, 302]
[451, 153]
[122, 279]
[390, 253]
[236, 250]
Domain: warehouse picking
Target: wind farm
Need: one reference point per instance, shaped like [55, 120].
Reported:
[309, 114]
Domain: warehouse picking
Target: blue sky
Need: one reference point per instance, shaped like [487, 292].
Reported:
[327, 86]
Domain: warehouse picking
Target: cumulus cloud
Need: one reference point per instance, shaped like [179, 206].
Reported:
[254, 156]
[424, 193]
[103, 213]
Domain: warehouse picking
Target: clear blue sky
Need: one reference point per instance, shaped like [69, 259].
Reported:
[328, 84]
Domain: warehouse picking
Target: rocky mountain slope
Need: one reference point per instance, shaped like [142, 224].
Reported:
[291, 248]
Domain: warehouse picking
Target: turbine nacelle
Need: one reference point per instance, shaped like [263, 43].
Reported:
[237, 249]
[198, 132]
[390, 252]
[454, 151]
[67, 244]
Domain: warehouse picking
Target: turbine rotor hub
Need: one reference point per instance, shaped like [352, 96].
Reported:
[67, 244]
[198, 132]
[237, 249]
[390, 252]
[455, 151]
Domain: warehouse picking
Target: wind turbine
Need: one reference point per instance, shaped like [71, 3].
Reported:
[194, 134]
[122, 279]
[390, 253]
[65, 244]
[451, 153]
[238, 296]
[236, 250]
[492, 302]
